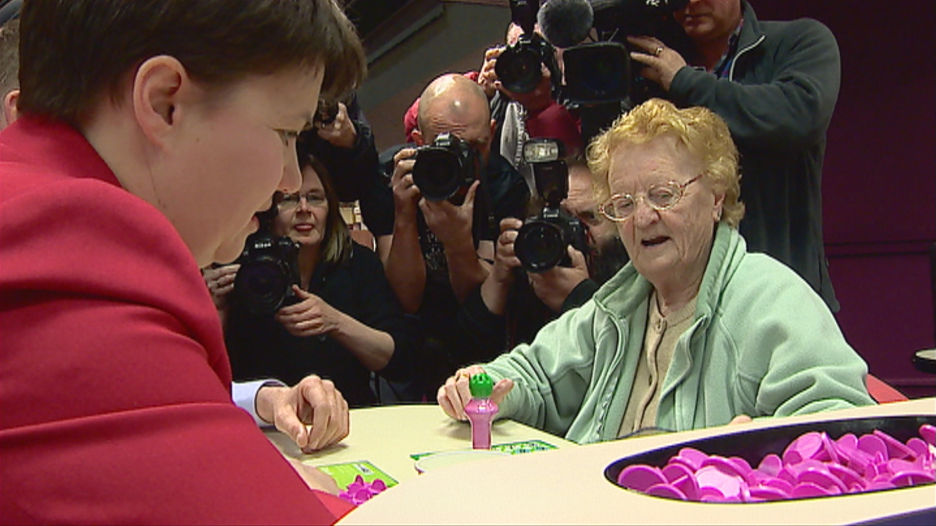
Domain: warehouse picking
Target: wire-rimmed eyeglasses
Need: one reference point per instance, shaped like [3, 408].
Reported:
[290, 201]
[659, 197]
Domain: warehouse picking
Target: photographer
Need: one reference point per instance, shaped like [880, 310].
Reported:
[324, 307]
[776, 85]
[523, 106]
[344, 143]
[520, 296]
[442, 244]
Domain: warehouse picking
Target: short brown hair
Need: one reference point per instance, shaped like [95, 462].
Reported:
[75, 52]
[9, 56]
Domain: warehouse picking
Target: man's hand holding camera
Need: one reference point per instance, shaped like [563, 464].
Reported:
[553, 286]
[220, 282]
[339, 130]
[405, 193]
[662, 63]
[311, 316]
[451, 223]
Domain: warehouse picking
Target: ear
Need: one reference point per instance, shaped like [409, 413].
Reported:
[10, 113]
[418, 138]
[157, 88]
[719, 207]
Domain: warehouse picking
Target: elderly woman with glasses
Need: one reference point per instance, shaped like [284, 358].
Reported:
[694, 331]
[343, 321]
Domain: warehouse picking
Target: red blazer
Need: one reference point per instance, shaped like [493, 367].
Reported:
[114, 379]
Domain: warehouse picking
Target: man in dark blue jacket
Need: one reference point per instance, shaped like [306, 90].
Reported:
[776, 85]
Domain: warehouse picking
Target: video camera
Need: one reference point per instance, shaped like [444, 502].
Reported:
[543, 240]
[601, 72]
[519, 66]
[446, 168]
[269, 267]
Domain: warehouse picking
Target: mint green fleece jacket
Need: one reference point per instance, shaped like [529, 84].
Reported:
[762, 343]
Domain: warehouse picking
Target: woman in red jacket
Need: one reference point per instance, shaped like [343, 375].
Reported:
[149, 135]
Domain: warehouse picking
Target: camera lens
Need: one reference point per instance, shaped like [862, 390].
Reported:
[540, 246]
[607, 74]
[518, 68]
[437, 174]
[261, 285]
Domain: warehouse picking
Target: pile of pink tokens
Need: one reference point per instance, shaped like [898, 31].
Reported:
[813, 465]
[360, 491]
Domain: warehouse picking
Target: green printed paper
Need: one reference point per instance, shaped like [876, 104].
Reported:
[514, 448]
[345, 473]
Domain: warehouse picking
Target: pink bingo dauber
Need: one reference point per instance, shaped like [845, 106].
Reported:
[812, 465]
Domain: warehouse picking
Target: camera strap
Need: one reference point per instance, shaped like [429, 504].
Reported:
[488, 202]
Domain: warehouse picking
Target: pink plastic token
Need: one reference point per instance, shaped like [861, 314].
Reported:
[693, 458]
[725, 465]
[805, 447]
[712, 476]
[640, 477]
[847, 475]
[674, 471]
[919, 447]
[769, 493]
[770, 465]
[823, 478]
[928, 432]
[665, 491]
[808, 489]
[872, 445]
[688, 486]
[895, 448]
[911, 478]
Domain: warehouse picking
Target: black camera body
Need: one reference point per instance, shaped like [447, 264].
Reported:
[269, 267]
[543, 240]
[327, 111]
[519, 66]
[602, 72]
[446, 168]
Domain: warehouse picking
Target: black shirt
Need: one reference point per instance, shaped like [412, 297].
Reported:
[262, 348]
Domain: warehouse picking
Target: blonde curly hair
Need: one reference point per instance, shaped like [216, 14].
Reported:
[701, 131]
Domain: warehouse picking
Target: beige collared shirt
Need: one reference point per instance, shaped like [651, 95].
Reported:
[660, 339]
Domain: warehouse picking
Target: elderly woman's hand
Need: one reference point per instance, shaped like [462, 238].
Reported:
[220, 283]
[455, 394]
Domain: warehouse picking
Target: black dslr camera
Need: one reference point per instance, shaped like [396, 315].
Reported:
[445, 168]
[543, 240]
[326, 112]
[519, 66]
[269, 269]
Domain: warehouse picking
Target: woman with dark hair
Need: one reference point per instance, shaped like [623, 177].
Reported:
[344, 320]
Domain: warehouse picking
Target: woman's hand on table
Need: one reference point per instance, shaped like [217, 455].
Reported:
[313, 401]
[455, 394]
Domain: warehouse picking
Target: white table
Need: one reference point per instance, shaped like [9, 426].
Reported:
[567, 485]
[387, 436]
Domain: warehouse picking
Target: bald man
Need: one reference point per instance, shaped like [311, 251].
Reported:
[440, 251]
